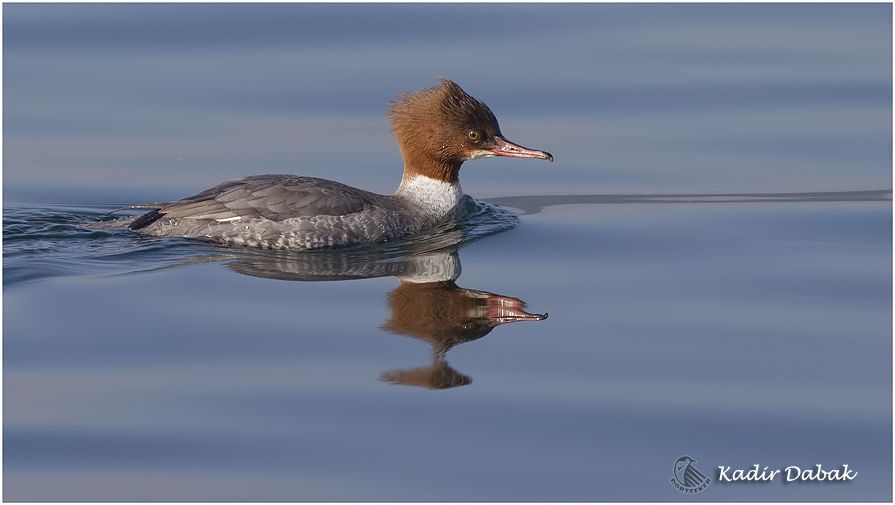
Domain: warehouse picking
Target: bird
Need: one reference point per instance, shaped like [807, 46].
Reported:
[437, 129]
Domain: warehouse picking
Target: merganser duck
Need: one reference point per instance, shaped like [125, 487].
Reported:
[437, 129]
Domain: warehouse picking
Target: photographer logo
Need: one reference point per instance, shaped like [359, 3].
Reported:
[687, 478]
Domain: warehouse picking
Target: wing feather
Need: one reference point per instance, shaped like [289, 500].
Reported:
[275, 197]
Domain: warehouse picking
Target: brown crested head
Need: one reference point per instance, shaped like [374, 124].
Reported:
[439, 128]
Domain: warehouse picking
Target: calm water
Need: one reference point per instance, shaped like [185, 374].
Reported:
[713, 246]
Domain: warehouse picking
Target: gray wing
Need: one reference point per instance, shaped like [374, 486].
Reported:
[275, 197]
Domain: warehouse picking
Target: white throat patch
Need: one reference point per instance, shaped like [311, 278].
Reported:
[436, 198]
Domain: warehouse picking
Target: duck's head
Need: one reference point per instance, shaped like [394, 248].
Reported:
[439, 128]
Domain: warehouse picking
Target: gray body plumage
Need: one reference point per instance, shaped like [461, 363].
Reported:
[287, 212]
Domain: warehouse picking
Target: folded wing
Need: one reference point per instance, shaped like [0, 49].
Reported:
[274, 197]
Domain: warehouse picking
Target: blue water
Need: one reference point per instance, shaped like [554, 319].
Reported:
[713, 246]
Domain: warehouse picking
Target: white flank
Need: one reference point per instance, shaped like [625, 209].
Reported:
[436, 198]
[228, 219]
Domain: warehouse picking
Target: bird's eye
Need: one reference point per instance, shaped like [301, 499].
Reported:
[474, 135]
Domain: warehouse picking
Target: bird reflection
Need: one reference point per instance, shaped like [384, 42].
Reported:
[427, 304]
[445, 315]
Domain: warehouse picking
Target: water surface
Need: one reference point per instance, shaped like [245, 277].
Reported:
[712, 245]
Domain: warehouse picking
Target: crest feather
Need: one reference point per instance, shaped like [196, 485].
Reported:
[447, 99]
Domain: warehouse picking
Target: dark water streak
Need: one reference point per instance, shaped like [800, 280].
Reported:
[536, 203]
